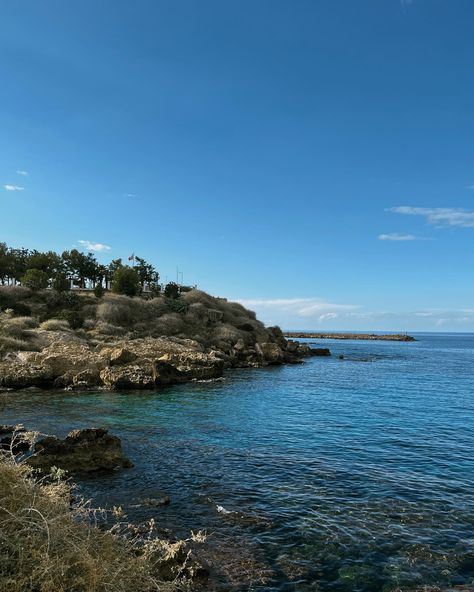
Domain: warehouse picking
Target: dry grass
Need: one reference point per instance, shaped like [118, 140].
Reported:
[55, 325]
[15, 332]
[48, 543]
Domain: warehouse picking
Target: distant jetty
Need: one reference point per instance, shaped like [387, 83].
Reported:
[365, 336]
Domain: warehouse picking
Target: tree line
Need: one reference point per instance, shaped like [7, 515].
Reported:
[38, 270]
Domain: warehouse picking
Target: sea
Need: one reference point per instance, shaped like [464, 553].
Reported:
[341, 475]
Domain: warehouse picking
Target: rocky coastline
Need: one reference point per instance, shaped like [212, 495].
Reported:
[208, 336]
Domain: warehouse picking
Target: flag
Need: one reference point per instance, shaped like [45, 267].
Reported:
[132, 257]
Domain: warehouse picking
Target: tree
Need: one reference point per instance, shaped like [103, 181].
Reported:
[17, 264]
[50, 262]
[147, 274]
[35, 279]
[112, 268]
[4, 262]
[126, 281]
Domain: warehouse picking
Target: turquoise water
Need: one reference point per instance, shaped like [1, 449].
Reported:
[342, 475]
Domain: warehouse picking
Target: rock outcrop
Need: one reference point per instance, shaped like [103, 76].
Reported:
[211, 335]
[82, 451]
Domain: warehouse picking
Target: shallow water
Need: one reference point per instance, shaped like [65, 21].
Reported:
[342, 475]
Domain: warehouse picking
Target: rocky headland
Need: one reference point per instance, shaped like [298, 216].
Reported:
[131, 343]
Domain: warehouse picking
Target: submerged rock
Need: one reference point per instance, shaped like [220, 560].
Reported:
[320, 351]
[82, 451]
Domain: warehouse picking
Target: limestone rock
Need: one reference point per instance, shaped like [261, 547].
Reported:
[271, 352]
[16, 375]
[128, 377]
[121, 355]
[82, 451]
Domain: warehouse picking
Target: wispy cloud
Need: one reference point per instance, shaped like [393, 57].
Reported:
[90, 246]
[314, 313]
[395, 236]
[439, 216]
[310, 309]
[131, 195]
[22, 173]
[9, 187]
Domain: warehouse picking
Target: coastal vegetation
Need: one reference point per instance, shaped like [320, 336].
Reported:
[38, 270]
[52, 541]
[124, 331]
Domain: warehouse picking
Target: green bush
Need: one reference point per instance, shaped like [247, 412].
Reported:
[61, 283]
[99, 291]
[75, 318]
[35, 279]
[172, 290]
[126, 281]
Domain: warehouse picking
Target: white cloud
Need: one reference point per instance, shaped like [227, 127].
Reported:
[90, 246]
[328, 316]
[439, 216]
[131, 195]
[22, 173]
[8, 187]
[395, 236]
[291, 312]
[315, 314]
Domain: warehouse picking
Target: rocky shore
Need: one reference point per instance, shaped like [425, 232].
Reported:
[353, 336]
[210, 336]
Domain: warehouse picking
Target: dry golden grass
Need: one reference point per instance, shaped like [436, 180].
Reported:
[48, 543]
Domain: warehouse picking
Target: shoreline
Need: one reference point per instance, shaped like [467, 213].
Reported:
[349, 336]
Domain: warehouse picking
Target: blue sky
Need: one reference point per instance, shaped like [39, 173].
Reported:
[312, 158]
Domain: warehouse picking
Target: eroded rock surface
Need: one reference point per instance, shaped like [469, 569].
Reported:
[82, 451]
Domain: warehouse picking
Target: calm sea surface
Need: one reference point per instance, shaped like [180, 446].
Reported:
[338, 475]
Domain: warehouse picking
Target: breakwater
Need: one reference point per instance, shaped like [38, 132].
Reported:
[352, 336]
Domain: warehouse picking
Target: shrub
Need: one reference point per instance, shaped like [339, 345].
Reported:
[52, 544]
[70, 300]
[99, 291]
[126, 281]
[172, 290]
[168, 324]
[61, 283]
[55, 325]
[35, 279]
[103, 328]
[20, 309]
[154, 290]
[130, 312]
[74, 317]
[8, 344]
[16, 327]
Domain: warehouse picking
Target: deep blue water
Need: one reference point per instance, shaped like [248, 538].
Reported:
[339, 475]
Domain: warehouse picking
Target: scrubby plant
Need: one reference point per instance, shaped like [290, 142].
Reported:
[55, 325]
[167, 325]
[172, 290]
[126, 281]
[61, 283]
[107, 329]
[75, 318]
[51, 544]
[11, 344]
[35, 279]
[99, 291]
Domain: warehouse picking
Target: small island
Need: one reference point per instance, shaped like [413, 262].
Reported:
[358, 336]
